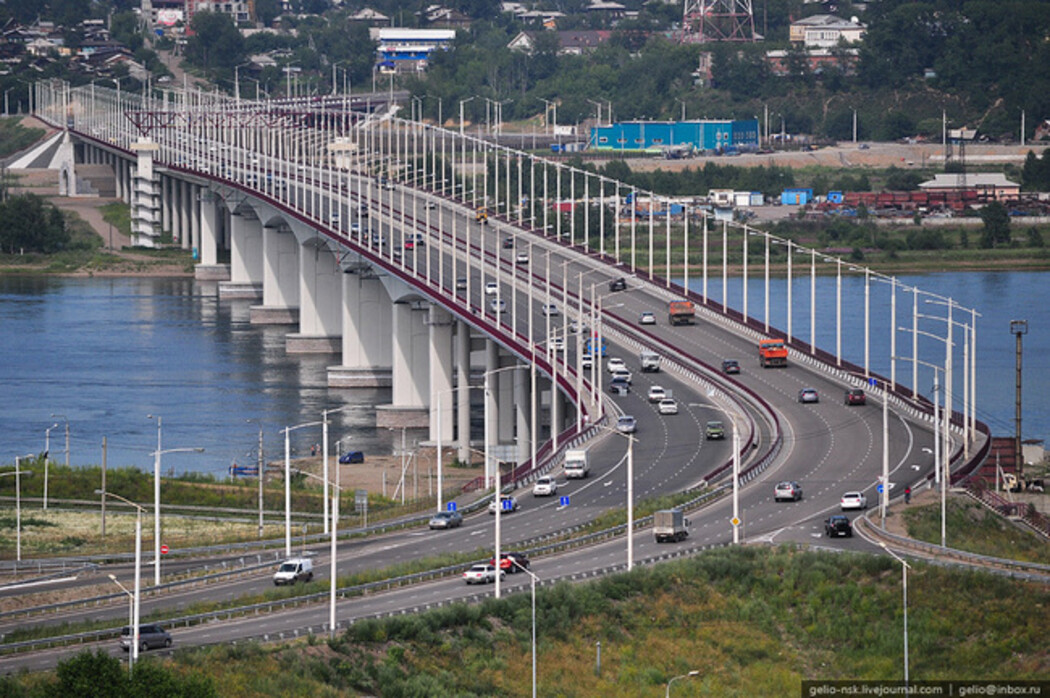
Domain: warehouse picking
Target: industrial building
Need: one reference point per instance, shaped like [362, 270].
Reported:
[677, 138]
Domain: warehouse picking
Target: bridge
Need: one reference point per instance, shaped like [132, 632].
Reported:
[439, 263]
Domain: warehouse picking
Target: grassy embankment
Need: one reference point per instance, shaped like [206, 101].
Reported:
[972, 527]
[752, 621]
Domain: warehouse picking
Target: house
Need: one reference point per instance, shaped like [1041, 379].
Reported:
[817, 60]
[605, 8]
[992, 184]
[570, 43]
[370, 17]
[446, 17]
[1042, 131]
[402, 50]
[824, 31]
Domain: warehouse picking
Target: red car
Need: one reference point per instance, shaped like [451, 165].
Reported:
[512, 562]
[855, 396]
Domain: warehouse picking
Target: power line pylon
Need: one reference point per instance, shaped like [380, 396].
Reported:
[717, 20]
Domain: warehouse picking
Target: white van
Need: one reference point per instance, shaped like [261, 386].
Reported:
[576, 463]
[296, 569]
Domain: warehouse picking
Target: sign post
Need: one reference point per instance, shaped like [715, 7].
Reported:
[361, 505]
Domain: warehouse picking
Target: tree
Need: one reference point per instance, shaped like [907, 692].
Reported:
[90, 675]
[215, 42]
[996, 225]
[30, 224]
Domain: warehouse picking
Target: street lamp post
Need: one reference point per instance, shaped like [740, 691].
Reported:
[288, 484]
[133, 651]
[131, 613]
[261, 469]
[17, 472]
[736, 466]
[667, 693]
[333, 537]
[904, 586]
[324, 446]
[47, 456]
[461, 103]
[498, 485]
[532, 584]
[66, 420]
[156, 495]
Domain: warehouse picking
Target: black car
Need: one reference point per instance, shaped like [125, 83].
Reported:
[730, 366]
[855, 396]
[838, 525]
[352, 457]
[618, 284]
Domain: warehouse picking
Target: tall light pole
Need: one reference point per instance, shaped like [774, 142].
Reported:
[237, 80]
[156, 495]
[498, 485]
[324, 446]
[17, 472]
[1018, 328]
[904, 587]
[333, 537]
[288, 484]
[133, 651]
[461, 103]
[694, 672]
[735, 521]
[131, 612]
[47, 452]
[261, 460]
[532, 583]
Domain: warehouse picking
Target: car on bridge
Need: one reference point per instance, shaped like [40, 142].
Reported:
[521, 258]
[619, 388]
[787, 491]
[838, 525]
[855, 396]
[507, 504]
[508, 243]
[491, 288]
[730, 366]
[656, 393]
[647, 318]
[619, 284]
[545, 487]
[667, 406]
[482, 574]
[853, 500]
[446, 519]
[626, 424]
[615, 364]
[498, 305]
[461, 283]
[622, 374]
[714, 431]
[550, 310]
[808, 395]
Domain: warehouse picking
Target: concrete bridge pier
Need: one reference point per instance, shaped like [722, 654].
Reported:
[210, 238]
[440, 324]
[320, 306]
[246, 260]
[410, 366]
[280, 304]
[463, 391]
[367, 328]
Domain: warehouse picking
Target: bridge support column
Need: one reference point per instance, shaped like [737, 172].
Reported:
[411, 377]
[440, 324]
[246, 258]
[145, 196]
[194, 238]
[320, 309]
[280, 279]
[166, 204]
[491, 398]
[522, 409]
[463, 392]
[505, 397]
[185, 214]
[367, 329]
[208, 245]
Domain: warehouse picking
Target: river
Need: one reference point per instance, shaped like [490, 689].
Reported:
[106, 352]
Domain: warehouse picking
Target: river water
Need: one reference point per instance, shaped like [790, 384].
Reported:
[105, 353]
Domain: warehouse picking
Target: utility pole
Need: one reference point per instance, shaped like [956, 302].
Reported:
[103, 486]
[1018, 328]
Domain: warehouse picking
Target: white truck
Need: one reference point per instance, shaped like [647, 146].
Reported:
[650, 361]
[670, 525]
[576, 463]
[296, 569]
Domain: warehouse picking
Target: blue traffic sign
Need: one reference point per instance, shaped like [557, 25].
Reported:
[507, 504]
[872, 382]
[564, 500]
[451, 506]
[879, 488]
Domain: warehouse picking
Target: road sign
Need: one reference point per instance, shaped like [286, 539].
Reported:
[163, 550]
[506, 504]
[735, 521]
[879, 488]
[564, 500]
[872, 382]
[361, 500]
[451, 506]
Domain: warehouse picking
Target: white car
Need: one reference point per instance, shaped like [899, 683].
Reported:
[622, 375]
[491, 288]
[507, 504]
[657, 393]
[482, 574]
[647, 318]
[668, 406]
[614, 364]
[558, 344]
[586, 362]
[853, 500]
[498, 305]
[550, 310]
[521, 258]
[626, 424]
[545, 487]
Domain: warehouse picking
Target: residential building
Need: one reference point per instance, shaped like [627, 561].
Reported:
[402, 50]
[824, 31]
[991, 184]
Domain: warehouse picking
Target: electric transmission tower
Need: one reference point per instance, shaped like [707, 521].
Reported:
[718, 20]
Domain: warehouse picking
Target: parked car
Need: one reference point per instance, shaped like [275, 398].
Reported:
[730, 366]
[657, 393]
[838, 525]
[352, 457]
[807, 395]
[150, 637]
[787, 490]
[614, 364]
[855, 396]
[446, 519]
[626, 424]
[647, 318]
[507, 504]
[853, 500]
[714, 430]
[545, 487]
[482, 574]
[619, 284]
[667, 406]
[511, 562]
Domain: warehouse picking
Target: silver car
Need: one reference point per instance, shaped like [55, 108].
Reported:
[446, 519]
[150, 637]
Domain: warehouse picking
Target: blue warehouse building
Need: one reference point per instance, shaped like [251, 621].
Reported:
[675, 136]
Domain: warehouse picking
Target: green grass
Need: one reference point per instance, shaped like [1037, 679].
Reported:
[970, 526]
[754, 621]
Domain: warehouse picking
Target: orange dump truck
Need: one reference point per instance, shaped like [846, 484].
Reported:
[681, 312]
[772, 353]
